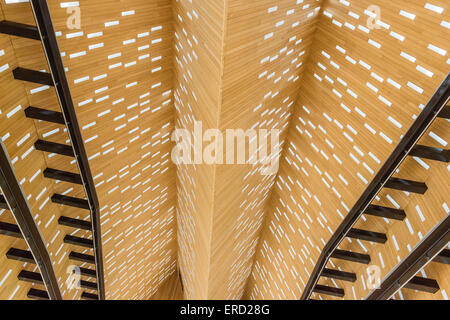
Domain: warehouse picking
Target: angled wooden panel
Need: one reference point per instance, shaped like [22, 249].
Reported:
[360, 93]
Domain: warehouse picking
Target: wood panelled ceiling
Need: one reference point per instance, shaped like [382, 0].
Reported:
[360, 93]
[120, 73]
[19, 134]
[119, 67]
[198, 56]
[221, 207]
[341, 94]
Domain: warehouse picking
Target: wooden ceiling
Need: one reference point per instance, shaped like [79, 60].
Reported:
[221, 207]
[360, 93]
[343, 95]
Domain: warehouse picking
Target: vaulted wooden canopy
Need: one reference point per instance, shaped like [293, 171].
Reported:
[92, 94]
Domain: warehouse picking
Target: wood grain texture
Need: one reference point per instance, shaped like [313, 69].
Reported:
[341, 94]
[271, 45]
[198, 45]
[221, 207]
[171, 289]
[129, 117]
[119, 68]
[358, 96]
[19, 135]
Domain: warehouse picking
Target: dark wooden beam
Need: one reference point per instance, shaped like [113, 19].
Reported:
[406, 185]
[3, 204]
[89, 296]
[70, 201]
[82, 257]
[19, 30]
[445, 113]
[423, 284]
[63, 176]
[37, 294]
[336, 292]
[88, 285]
[340, 275]
[351, 256]
[431, 153]
[443, 257]
[44, 115]
[82, 242]
[29, 276]
[20, 255]
[9, 229]
[88, 272]
[75, 223]
[53, 147]
[385, 212]
[33, 76]
[367, 235]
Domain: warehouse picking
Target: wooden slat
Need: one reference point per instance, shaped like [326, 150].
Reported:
[445, 113]
[406, 185]
[423, 284]
[385, 212]
[29, 276]
[20, 255]
[9, 229]
[3, 204]
[37, 294]
[88, 285]
[44, 115]
[88, 272]
[19, 30]
[53, 147]
[63, 176]
[367, 235]
[351, 256]
[33, 76]
[75, 223]
[443, 257]
[70, 201]
[76, 256]
[340, 275]
[336, 292]
[78, 241]
[89, 296]
[437, 154]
